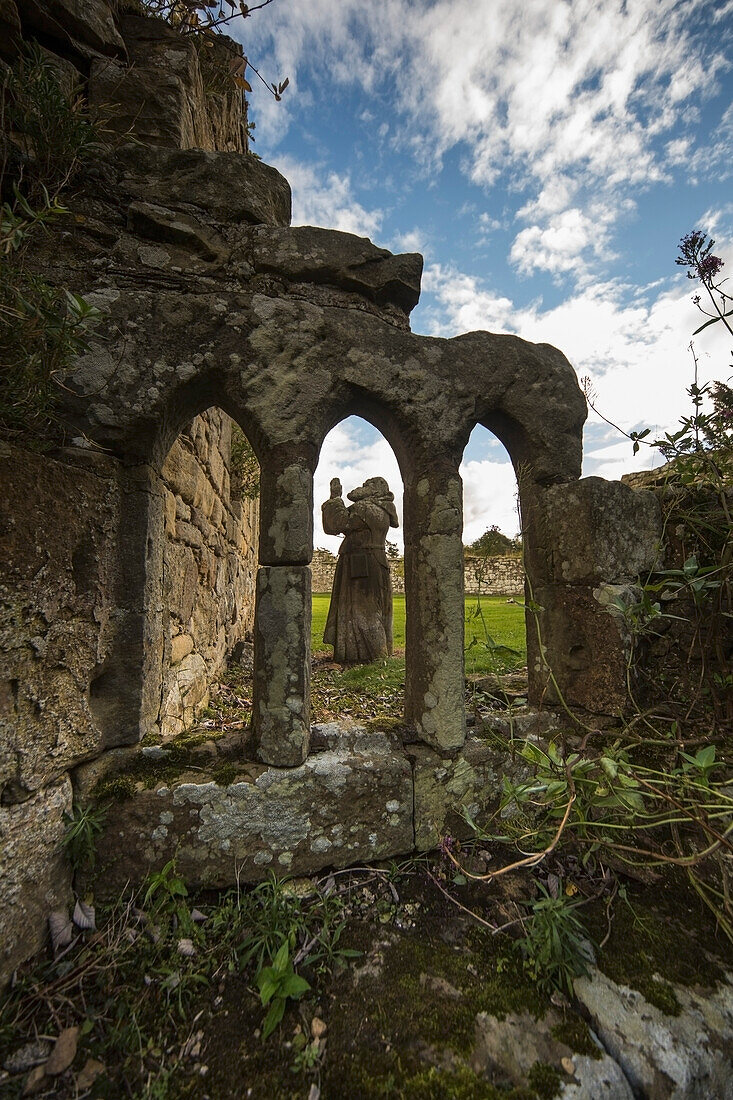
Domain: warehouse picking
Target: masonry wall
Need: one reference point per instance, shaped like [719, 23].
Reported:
[210, 567]
[497, 576]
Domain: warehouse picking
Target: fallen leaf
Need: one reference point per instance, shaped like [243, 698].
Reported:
[89, 1074]
[318, 1027]
[63, 1052]
[61, 930]
[34, 1081]
[84, 917]
[568, 1065]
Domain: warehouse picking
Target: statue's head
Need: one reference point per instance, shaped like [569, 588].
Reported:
[374, 488]
[376, 491]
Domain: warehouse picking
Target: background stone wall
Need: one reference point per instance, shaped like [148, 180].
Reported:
[498, 576]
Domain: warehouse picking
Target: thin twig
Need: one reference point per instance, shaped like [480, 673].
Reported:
[529, 861]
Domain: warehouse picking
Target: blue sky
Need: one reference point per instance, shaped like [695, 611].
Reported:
[545, 157]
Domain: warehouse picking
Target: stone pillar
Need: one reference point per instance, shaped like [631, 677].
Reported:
[434, 686]
[281, 704]
[281, 712]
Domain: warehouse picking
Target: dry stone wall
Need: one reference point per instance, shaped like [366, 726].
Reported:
[210, 565]
[497, 576]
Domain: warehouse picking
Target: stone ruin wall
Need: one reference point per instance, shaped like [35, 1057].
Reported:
[65, 589]
[84, 614]
[495, 576]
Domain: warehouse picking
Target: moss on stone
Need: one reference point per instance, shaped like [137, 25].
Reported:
[429, 1083]
[225, 774]
[574, 1033]
[657, 939]
[384, 724]
[407, 1029]
[545, 1080]
[118, 789]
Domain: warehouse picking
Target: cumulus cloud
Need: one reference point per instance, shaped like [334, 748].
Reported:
[632, 345]
[489, 497]
[568, 99]
[562, 245]
[414, 240]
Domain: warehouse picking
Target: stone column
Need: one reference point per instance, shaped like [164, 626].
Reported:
[281, 704]
[434, 686]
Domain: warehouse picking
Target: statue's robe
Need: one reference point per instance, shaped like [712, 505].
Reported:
[359, 624]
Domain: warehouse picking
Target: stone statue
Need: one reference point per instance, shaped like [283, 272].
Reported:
[359, 624]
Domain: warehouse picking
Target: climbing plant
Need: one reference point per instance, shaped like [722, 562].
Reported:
[47, 137]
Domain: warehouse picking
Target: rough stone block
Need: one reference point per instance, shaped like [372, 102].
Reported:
[181, 646]
[599, 531]
[586, 649]
[445, 786]
[309, 254]
[351, 803]
[156, 223]
[230, 187]
[510, 1046]
[35, 874]
[86, 24]
[281, 704]
[665, 1057]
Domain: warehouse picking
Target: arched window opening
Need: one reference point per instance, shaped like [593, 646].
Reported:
[210, 483]
[353, 675]
[495, 635]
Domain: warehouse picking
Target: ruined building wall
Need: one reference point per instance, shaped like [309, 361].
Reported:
[63, 545]
[66, 551]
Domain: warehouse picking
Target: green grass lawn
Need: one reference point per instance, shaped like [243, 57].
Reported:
[493, 628]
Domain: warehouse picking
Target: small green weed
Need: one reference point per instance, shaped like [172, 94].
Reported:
[277, 984]
[83, 825]
[555, 946]
[48, 113]
[166, 893]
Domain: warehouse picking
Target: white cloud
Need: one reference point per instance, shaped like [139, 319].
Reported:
[562, 245]
[489, 497]
[325, 199]
[574, 100]
[414, 240]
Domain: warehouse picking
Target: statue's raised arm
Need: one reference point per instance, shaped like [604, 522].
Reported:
[359, 624]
